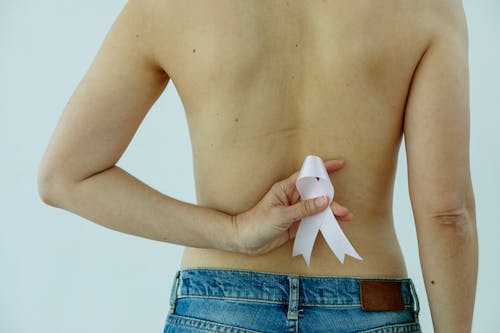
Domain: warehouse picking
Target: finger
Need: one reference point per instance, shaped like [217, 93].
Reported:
[295, 196]
[330, 166]
[338, 209]
[344, 218]
[304, 208]
[286, 191]
[334, 165]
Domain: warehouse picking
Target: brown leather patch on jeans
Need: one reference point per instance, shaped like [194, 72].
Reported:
[381, 295]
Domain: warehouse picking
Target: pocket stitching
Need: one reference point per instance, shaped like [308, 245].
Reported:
[198, 320]
[415, 329]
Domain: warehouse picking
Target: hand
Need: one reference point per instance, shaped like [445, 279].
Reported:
[275, 219]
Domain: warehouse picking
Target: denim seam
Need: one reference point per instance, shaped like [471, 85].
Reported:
[293, 296]
[414, 326]
[174, 292]
[185, 321]
[414, 295]
[345, 305]
[261, 300]
[233, 298]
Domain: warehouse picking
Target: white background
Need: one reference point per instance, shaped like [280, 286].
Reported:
[60, 273]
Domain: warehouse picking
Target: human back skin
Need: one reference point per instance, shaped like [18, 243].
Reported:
[266, 83]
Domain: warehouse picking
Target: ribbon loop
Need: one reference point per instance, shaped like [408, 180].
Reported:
[313, 181]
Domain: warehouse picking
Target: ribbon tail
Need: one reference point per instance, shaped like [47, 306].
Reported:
[336, 239]
[305, 237]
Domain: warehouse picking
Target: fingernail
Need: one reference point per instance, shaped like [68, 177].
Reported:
[320, 201]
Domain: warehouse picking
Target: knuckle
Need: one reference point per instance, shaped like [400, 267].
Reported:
[306, 207]
[283, 186]
[276, 186]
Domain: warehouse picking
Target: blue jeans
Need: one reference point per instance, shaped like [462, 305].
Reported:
[246, 301]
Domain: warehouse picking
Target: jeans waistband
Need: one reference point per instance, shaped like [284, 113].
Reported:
[277, 287]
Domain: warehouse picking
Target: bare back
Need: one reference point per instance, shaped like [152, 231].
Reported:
[265, 83]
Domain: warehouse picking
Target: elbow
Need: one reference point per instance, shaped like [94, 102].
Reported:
[452, 210]
[458, 221]
[49, 188]
[450, 216]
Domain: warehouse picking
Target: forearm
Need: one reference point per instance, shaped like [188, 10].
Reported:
[449, 258]
[117, 200]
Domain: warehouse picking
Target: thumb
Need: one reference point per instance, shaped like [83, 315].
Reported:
[305, 208]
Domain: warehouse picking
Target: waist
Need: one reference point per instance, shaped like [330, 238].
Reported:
[381, 257]
[276, 287]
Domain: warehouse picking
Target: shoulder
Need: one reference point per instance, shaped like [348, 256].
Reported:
[153, 23]
[448, 18]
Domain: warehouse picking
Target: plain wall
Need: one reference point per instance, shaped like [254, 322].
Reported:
[60, 273]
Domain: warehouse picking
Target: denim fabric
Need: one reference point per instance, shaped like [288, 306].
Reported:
[245, 301]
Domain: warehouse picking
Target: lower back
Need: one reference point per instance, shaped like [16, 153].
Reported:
[265, 84]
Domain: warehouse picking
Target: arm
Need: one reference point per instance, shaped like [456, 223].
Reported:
[436, 130]
[78, 171]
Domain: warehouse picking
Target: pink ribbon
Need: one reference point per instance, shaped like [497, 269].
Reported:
[313, 181]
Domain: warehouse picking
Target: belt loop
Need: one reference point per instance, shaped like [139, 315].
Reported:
[415, 298]
[173, 291]
[293, 296]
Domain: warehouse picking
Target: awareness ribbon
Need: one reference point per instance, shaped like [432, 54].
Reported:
[313, 181]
